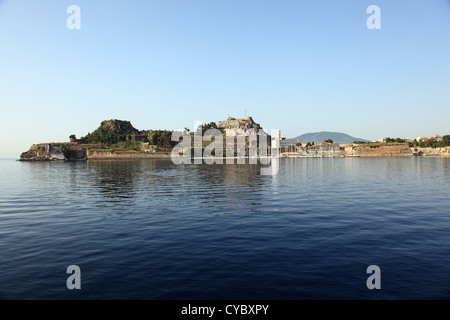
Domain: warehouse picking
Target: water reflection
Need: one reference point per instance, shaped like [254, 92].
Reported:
[165, 232]
[160, 185]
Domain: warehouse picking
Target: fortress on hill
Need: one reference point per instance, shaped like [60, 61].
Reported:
[232, 126]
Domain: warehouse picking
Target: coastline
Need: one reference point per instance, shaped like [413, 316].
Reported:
[107, 154]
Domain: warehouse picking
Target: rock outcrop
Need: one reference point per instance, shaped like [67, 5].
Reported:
[42, 152]
[124, 127]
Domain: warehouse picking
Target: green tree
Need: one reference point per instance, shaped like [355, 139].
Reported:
[211, 125]
[165, 139]
[446, 140]
[104, 134]
[151, 137]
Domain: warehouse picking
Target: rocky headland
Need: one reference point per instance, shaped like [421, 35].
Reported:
[118, 139]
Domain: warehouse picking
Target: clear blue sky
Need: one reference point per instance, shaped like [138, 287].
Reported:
[298, 66]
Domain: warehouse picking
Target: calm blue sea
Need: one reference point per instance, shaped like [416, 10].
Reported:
[153, 230]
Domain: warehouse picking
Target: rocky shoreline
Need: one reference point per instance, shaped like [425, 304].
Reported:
[73, 152]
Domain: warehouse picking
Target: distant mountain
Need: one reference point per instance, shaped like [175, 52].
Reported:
[339, 137]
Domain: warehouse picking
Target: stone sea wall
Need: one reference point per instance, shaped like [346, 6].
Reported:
[374, 150]
[323, 150]
[108, 154]
[431, 152]
[398, 150]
